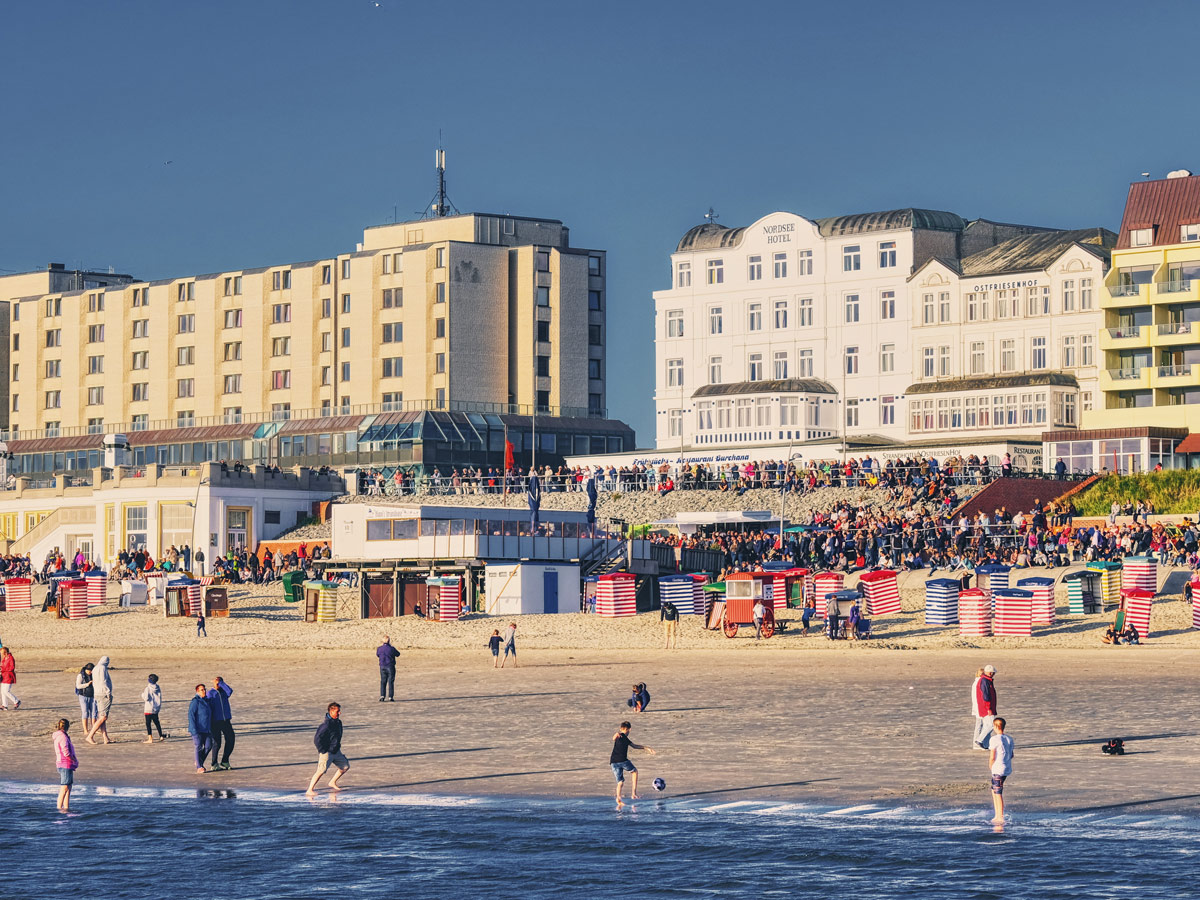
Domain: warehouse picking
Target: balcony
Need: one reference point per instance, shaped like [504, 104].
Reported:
[1177, 290]
[1125, 379]
[1174, 333]
[1122, 295]
[1125, 337]
[1176, 376]
[1174, 287]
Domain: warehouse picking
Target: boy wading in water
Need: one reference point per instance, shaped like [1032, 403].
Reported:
[619, 760]
[1000, 761]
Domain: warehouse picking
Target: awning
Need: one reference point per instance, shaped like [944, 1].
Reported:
[1190, 444]
[720, 517]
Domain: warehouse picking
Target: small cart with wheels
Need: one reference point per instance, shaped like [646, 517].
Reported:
[742, 591]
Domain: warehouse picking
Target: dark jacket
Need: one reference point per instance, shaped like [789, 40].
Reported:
[328, 738]
[199, 716]
[387, 656]
[218, 701]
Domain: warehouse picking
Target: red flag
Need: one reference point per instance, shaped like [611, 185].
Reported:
[508, 455]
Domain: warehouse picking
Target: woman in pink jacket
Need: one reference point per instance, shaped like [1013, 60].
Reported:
[66, 761]
[8, 677]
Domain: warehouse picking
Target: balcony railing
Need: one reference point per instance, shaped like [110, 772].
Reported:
[1174, 371]
[1128, 331]
[1126, 374]
[1175, 328]
[1176, 286]
[1125, 290]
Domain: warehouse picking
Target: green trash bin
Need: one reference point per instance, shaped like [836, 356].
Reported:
[293, 586]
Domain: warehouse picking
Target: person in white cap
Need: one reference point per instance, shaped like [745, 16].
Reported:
[983, 705]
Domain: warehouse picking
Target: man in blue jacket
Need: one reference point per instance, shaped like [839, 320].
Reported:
[222, 723]
[328, 741]
[200, 726]
[387, 670]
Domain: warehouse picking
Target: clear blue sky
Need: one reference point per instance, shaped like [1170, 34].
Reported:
[291, 125]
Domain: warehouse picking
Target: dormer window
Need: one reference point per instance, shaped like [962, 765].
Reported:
[1141, 237]
[1188, 233]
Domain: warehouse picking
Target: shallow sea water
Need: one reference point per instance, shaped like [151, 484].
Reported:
[148, 843]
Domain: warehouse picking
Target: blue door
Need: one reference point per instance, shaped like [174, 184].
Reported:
[550, 591]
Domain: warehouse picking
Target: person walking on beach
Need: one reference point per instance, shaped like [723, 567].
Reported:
[669, 615]
[103, 686]
[328, 741]
[387, 670]
[200, 726]
[810, 608]
[1000, 766]
[494, 646]
[152, 703]
[832, 615]
[222, 723]
[759, 612]
[201, 631]
[87, 696]
[619, 761]
[66, 762]
[8, 677]
[510, 644]
[983, 705]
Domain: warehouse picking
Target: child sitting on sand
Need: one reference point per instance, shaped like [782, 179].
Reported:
[640, 698]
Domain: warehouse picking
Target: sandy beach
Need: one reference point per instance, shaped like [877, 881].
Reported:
[795, 718]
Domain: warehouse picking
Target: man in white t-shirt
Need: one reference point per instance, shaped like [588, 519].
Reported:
[1000, 764]
[760, 613]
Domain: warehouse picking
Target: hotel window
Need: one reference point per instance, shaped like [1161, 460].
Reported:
[95, 303]
[185, 418]
[789, 411]
[983, 305]
[754, 268]
[141, 391]
[972, 307]
[1069, 407]
[851, 258]
[281, 346]
[887, 411]
[780, 261]
[185, 356]
[186, 324]
[1002, 304]
[704, 417]
[53, 399]
[944, 362]
[755, 369]
[233, 318]
[281, 312]
[593, 264]
[674, 373]
[276, 281]
[439, 363]
[1087, 350]
[141, 359]
[1037, 360]
[943, 415]
[439, 328]
[851, 413]
[944, 306]
[185, 292]
[233, 351]
[1085, 293]
[595, 336]
[345, 373]
[744, 410]
[887, 255]
[1141, 237]
[851, 361]
[439, 295]
[927, 362]
[393, 299]
[185, 387]
[543, 332]
[804, 364]
[54, 337]
[754, 317]
[95, 396]
[393, 367]
[54, 307]
[594, 299]
[327, 374]
[724, 414]
[141, 297]
[1039, 301]
[887, 305]
[716, 271]
[714, 370]
[887, 357]
[715, 320]
[1026, 409]
[805, 266]
[439, 258]
[345, 268]
[326, 341]
[53, 368]
[781, 314]
[229, 287]
[927, 309]
[140, 421]
[233, 384]
[781, 365]
[675, 423]
[387, 264]
[851, 308]
[542, 260]
[1068, 295]
[281, 411]
[326, 274]
[1039, 409]
[95, 426]
[231, 415]
[1068, 351]
[1008, 356]
[683, 275]
[978, 364]
[393, 332]
[287, 280]
[345, 337]
[969, 417]
[346, 303]
[806, 312]
[1189, 233]
[675, 323]
[1010, 409]
[281, 378]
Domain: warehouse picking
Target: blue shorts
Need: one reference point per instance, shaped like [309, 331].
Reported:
[66, 776]
[619, 770]
[998, 784]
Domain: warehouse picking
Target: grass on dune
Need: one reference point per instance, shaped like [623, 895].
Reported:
[1176, 491]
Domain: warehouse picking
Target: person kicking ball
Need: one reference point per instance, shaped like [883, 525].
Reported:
[619, 760]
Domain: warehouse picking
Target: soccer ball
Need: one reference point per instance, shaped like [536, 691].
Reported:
[659, 784]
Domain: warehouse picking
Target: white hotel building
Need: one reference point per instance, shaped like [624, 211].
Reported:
[879, 329]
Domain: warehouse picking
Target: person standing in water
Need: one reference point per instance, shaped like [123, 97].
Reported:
[619, 760]
[1000, 766]
[66, 762]
[103, 686]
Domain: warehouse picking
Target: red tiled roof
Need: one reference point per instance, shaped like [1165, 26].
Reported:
[1190, 444]
[1163, 205]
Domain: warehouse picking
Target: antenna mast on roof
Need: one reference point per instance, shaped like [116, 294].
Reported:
[441, 204]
